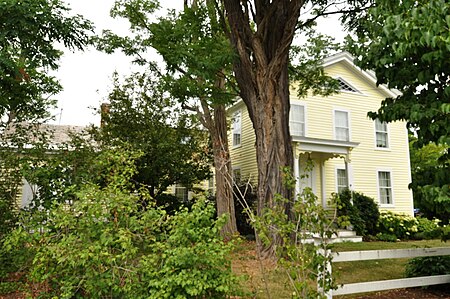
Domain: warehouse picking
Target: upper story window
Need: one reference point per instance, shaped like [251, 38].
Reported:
[237, 128]
[385, 187]
[297, 120]
[381, 134]
[341, 125]
[345, 86]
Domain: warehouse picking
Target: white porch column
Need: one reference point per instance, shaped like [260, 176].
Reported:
[323, 183]
[296, 173]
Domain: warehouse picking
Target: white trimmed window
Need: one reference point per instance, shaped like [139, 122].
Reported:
[341, 180]
[297, 120]
[341, 125]
[381, 134]
[385, 187]
[237, 128]
[181, 192]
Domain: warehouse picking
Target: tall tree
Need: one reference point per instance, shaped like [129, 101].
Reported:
[262, 33]
[407, 44]
[198, 60]
[143, 117]
[427, 163]
[30, 30]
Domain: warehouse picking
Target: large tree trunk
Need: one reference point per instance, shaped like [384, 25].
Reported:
[261, 71]
[222, 165]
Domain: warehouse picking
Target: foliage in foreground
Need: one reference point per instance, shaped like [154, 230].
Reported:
[426, 266]
[104, 246]
[305, 264]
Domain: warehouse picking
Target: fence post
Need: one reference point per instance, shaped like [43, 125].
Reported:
[322, 274]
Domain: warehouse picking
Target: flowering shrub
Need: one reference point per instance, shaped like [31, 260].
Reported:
[427, 229]
[399, 225]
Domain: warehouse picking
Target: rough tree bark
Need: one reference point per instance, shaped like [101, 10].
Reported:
[214, 118]
[261, 70]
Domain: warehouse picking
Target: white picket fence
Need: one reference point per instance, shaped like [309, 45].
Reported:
[382, 285]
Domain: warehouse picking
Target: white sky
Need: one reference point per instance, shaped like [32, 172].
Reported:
[86, 76]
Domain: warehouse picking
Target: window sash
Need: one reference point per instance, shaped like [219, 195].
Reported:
[342, 182]
[341, 126]
[237, 128]
[381, 133]
[385, 186]
[297, 120]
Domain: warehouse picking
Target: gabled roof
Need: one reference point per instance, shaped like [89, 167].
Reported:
[369, 76]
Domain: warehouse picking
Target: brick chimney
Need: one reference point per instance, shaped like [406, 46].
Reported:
[104, 111]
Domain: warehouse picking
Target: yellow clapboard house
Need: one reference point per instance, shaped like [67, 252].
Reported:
[345, 147]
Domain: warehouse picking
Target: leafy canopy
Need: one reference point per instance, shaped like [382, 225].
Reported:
[30, 31]
[142, 116]
[407, 44]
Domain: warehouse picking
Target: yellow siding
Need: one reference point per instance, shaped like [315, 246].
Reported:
[366, 159]
[244, 156]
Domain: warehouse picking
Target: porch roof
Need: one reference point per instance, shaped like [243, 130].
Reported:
[326, 146]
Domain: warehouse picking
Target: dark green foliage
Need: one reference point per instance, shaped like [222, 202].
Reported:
[427, 164]
[426, 266]
[245, 196]
[357, 210]
[142, 116]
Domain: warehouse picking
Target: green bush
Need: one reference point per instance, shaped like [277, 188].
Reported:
[427, 229]
[103, 245]
[362, 214]
[426, 266]
[399, 225]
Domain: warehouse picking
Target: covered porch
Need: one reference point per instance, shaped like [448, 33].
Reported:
[310, 157]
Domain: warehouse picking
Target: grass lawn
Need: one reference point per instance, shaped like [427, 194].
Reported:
[245, 262]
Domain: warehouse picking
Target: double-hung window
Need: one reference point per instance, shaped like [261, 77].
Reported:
[341, 125]
[381, 134]
[341, 178]
[237, 128]
[385, 187]
[297, 120]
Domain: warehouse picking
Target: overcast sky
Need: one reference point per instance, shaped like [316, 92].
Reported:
[86, 76]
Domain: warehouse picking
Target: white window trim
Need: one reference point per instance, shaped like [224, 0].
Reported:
[388, 128]
[383, 205]
[349, 122]
[240, 129]
[336, 185]
[305, 111]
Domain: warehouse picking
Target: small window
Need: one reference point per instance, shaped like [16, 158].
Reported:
[181, 192]
[211, 185]
[345, 86]
[297, 120]
[341, 125]
[237, 128]
[385, 187]
[381, 134]
[342, 180]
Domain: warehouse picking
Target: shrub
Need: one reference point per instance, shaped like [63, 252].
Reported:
[243, 223]
[426, 266]
[402, 226]
[103, 245]
[427, 229]
[362, 214]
